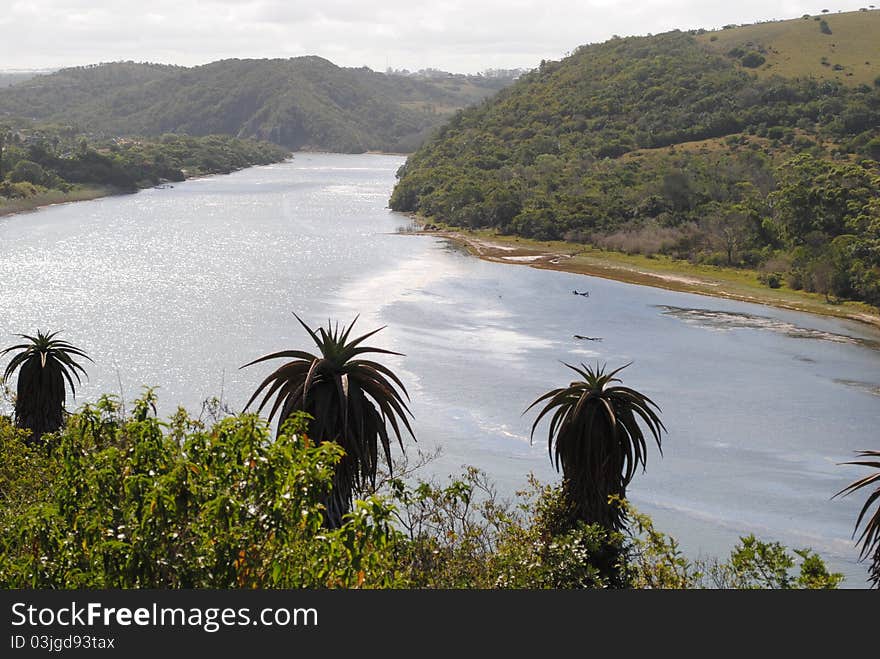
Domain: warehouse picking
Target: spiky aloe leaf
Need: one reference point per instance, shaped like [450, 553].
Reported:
[870, 536]
[595, 436]
[352, 402]
[44, 363]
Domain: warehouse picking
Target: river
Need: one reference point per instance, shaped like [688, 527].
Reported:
[178, 287]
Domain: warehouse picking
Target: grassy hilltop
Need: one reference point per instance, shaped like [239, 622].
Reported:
[848, 51]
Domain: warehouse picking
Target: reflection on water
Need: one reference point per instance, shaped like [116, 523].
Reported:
[180, 287]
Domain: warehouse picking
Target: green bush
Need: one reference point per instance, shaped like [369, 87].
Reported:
[17, 190]
[27, 171]
[657, 562]
[137, 503]
[771, 279]
[752, 60]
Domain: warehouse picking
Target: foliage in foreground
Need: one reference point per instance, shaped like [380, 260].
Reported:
[461, 536]
[136, 502]
[117, 501]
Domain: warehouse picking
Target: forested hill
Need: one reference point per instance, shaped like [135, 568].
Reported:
[304, 102]
[672, 144]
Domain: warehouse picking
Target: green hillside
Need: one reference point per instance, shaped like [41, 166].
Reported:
[304, 102]
[670, 144]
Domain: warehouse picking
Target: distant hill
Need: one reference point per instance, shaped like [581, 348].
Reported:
[11, 77]
[299, 103]
[682, 145]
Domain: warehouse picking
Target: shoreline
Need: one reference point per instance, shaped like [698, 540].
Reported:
[56, 198]
[727, 283]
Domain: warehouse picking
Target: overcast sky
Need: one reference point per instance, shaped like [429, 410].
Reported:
[454, 35]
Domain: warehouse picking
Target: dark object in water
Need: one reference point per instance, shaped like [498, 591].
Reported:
[588, 338]
[585, 293]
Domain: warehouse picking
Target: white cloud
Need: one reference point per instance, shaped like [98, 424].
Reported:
[455, 35]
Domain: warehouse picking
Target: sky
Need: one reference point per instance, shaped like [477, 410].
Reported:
[460, 36]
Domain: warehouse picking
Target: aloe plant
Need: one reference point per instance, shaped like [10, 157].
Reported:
[351, 400]
[43, 364]
[595, 437]
[870, 537]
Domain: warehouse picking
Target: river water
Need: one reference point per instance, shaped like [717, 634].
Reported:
[178, 287]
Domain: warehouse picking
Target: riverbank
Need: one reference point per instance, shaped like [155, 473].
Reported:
[51, 197]
[660, 272]
[106, 166]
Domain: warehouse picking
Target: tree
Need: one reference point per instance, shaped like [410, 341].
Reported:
[350, 401]
[870, 537]
[45, 363]
[729, 232]
[27, 170]
[820, 277]
[595, 435]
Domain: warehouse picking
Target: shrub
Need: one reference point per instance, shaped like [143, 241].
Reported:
[752, 60]
[755, 564]
[27, 171]
[649, 238]
[657, 562]
[17, 190]
[776, 132]
[137, 503]
[771, 279]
